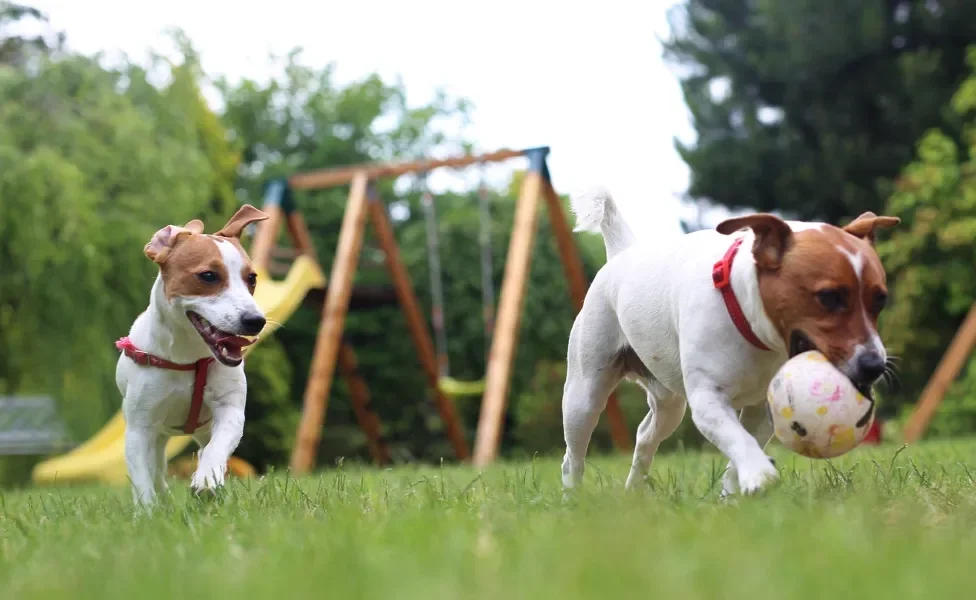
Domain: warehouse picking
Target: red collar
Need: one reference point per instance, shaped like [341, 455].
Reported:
[199, 382]
[722, 278]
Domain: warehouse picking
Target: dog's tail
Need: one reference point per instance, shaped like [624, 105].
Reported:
[595, 210]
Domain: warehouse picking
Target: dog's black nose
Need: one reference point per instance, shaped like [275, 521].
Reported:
[870, 366]
[252, 324]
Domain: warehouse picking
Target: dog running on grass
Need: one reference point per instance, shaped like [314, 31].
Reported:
[707, 319]
[181, 369]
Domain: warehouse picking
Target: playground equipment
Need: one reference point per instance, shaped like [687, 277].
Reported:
[955, 358]
[101, 458]
[364, 203]
[450, 385]
[30, 425]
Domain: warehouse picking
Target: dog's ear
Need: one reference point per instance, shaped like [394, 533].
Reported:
[246, 215]
[164, 240]
[194, 226]
[865, 225]
[773, 237]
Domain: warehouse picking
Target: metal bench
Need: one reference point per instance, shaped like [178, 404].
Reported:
[30, 425]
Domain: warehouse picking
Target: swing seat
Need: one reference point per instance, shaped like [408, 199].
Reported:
[455, 387]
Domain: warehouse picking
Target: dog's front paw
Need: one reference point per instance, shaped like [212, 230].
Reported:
[207, 478]
[756, 477]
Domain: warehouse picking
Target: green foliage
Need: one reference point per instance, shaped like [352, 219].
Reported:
[17, 50]
[92, 162]
[956, 416]
[826, 98]
[930, 257]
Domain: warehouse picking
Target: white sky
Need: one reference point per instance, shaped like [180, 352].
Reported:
[587, 79]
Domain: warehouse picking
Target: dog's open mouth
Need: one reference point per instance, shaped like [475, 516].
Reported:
[800, 343]
[226, 347]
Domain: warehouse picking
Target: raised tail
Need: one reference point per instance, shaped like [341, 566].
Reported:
[595, 210]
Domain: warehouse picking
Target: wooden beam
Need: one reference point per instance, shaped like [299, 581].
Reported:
[330, 329]
[367, 418]
[507, 321]
[325, 178]
[416, 324]
[300, 236]
[266, 235]
[576, 278]
[949, 367]
[568, 254]
[364, 297]
[280, 253]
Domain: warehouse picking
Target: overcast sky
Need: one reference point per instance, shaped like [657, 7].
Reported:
[585, 78]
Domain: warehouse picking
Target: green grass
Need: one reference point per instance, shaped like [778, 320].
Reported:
[879, 523]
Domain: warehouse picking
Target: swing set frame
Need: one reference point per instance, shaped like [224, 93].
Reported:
[365, 204]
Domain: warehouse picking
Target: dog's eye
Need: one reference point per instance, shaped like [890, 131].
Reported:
[208, 277]
[252, 279]
[832, 300]
[879, 303]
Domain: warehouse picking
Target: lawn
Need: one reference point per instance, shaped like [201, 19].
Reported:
[878, 523]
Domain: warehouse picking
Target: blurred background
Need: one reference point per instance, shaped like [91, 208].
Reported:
[117, 118]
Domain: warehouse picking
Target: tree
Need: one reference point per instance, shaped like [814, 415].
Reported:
[810, 106]
[92, 162]
[930, 257]
[17, 50]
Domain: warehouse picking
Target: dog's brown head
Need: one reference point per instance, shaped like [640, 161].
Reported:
[209, 278]
[823, 288]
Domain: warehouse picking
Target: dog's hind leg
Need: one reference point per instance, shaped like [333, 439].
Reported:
[665, 414]
[584, 398]
[592, 373]
[756, 422]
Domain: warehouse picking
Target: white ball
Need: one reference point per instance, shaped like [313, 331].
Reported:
[815, 409]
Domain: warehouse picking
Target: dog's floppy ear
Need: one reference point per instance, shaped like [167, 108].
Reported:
[164, 240]
[246, 215]
[773, 237]
[865, 225]
[194, 226]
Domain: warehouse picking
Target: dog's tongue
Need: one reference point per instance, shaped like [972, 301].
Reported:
[234, 341]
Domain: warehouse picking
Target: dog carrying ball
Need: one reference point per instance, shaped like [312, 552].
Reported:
[815, 409]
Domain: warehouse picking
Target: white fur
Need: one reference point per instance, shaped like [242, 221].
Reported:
[156, 401]
[595, 210]
[659, 300]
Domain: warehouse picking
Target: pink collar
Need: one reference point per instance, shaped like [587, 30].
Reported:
[199, 382]
[722, 278]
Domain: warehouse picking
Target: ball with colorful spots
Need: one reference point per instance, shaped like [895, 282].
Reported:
[815, 409]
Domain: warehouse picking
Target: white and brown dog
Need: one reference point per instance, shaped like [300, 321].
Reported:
[697, 322]
[181, 369]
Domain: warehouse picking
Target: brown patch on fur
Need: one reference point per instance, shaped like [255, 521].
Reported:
[193, 255]
[185, 253]
[794, 267]
[864, 226]
[818, 261]
[244, 216]
[773, 237]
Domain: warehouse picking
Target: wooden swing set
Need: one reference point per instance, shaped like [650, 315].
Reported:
[331, 351]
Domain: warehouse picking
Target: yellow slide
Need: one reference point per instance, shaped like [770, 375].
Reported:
[102, 458]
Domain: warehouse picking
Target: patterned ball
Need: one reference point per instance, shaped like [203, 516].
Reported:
[815, 409]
